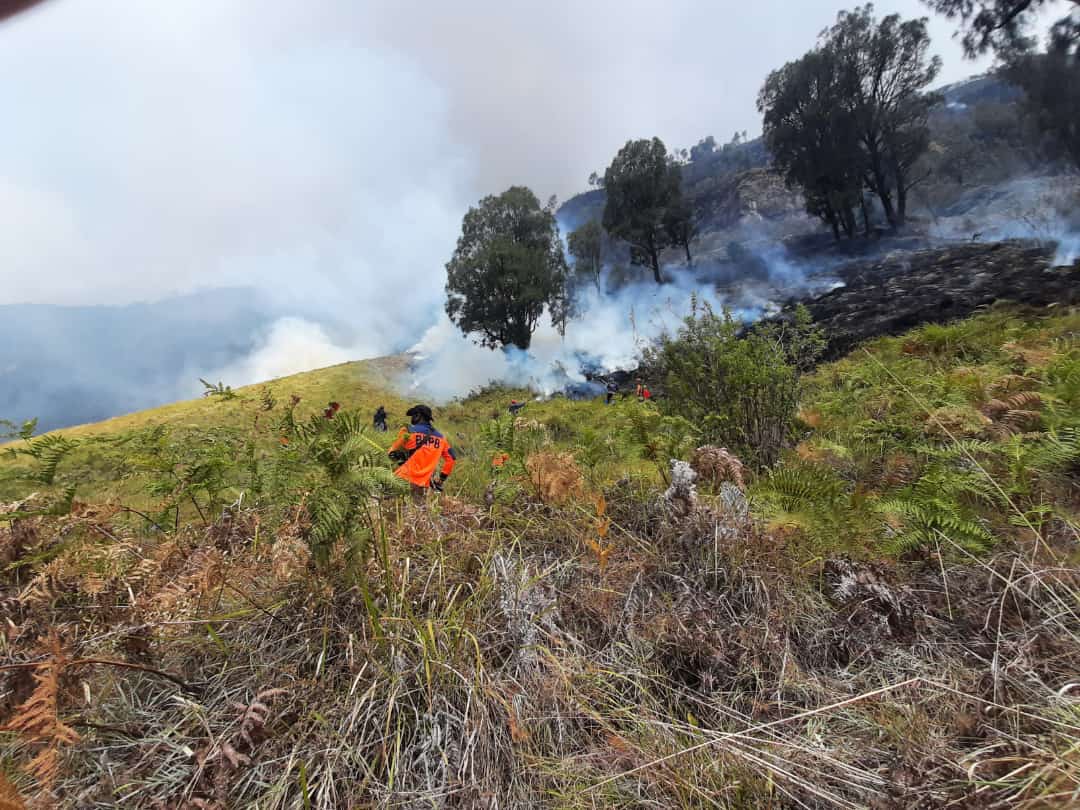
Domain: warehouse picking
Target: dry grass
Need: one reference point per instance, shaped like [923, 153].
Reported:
[492, 664]
[573, 643]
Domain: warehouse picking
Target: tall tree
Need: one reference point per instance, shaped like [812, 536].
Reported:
[1051, 80]
[507, 268]
[885, 68]
[1051, 85]
[586, 245]
[641, 184]
[812, 135]
[1003, 25]
[681, 225]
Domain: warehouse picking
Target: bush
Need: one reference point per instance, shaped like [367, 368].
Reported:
[740, 388]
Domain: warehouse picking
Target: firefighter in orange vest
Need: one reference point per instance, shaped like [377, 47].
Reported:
[420, 447]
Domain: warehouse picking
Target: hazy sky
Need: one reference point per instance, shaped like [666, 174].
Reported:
[328, 149]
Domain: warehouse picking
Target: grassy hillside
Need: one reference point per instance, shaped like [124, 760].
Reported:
[239, 607]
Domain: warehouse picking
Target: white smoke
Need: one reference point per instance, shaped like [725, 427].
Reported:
[291, 345]
[1041, 208]
[608, 334]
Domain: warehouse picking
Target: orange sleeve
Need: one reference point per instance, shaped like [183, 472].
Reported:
[449, 459]
[399, 442]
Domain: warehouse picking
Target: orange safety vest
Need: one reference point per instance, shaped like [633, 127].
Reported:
[425, 447]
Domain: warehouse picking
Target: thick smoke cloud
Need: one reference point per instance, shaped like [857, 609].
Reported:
[151, 151]
[548, 92]
[609, 332]
[322, 153]
[1039, 207]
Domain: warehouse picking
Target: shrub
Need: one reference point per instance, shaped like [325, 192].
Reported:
[740, 388]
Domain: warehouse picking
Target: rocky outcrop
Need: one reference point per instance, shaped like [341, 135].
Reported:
[891, 294]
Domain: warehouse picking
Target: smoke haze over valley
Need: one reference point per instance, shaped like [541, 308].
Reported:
[243, 191]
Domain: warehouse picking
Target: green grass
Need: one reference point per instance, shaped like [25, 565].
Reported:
[528, 650]
[969, 428]
[870, 472]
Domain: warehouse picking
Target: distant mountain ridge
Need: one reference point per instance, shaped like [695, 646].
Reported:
[67, 365]
[734, 183]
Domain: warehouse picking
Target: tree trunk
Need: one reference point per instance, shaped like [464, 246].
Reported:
[887, 206]
[865, 215]
[880, 186]
[654, 261]
[831, 218]
[901, 204]
[850, 225]
[689, 258]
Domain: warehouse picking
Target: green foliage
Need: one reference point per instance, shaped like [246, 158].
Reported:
[507, 267]
[47, 451]
[1063, 376]
[740, 390]
[643, 201]
[220, 390]
[507, 435]
[10, 430]
[814, 498]
[874, 420]
[811, 132]
[586, 245]
[941, 504]
[852, 112]
[659, 437]
[597, 446]
[802, 487]
[180, 469]
[1027, 461]
[334, 470]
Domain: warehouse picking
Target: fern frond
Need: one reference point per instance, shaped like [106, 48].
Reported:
[959, 449]
[9, 795]
[220, 390]
[48, 450]
[801, 486]
[922, 520]
[38, 721]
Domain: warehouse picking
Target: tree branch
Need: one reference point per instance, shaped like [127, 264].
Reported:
[187, 687]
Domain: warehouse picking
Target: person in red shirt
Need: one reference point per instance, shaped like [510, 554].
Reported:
[420, 447]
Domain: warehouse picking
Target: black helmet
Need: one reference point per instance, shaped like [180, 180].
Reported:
[419, 413]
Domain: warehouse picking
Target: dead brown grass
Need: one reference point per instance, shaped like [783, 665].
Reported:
[555, 476]
[497, 657]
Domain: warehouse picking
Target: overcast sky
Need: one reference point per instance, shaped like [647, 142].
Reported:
[329, 148]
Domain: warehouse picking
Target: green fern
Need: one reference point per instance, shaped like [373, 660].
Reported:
[659, 438]
[220, 390]
[48, 451]
[506, 434]
[10, 430]
[801, 487]
[944, 501]
[1063, 376]
[338, 474]
[923, 523]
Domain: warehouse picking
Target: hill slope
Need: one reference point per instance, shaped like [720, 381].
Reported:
[239, 608]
